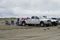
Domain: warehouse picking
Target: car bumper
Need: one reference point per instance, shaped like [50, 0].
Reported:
[48, 23]
[54, 23]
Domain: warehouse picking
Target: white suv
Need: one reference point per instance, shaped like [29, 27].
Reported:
[54, 22]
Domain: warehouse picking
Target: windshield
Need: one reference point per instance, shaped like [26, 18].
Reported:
[42, 18]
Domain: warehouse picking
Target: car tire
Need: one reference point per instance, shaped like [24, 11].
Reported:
[23, 24]
[42, 24]
[55, 24]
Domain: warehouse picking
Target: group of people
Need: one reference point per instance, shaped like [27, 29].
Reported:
[12, 22]
[9, 23]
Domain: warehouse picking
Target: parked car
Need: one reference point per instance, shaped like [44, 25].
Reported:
[54, 22]
[59, 22]
[34, 20]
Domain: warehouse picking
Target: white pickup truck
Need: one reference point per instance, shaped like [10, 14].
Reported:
[36, 21]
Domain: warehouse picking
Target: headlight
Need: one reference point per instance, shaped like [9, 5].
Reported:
[57, 21]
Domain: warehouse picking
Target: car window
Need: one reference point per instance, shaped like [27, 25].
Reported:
[37, 17]
[32, 17]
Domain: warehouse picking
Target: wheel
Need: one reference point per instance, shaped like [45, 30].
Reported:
[42, 24]
[55, 24]
[23, 24]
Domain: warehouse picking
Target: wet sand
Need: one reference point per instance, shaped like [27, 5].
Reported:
[29, 33]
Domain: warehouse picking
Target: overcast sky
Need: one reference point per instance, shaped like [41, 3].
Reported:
[23, 8]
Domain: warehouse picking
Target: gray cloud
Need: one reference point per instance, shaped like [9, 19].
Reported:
[19, 8]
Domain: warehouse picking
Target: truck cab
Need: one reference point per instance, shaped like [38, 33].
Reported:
[33, 20]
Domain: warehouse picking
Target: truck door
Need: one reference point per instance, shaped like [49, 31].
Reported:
[34, 20]
[37, 20]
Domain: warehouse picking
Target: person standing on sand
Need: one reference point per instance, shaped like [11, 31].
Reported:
[12, 22]
[17, 22]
